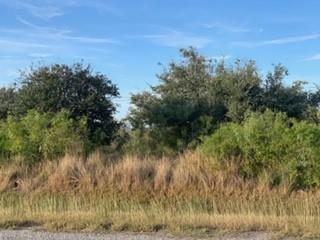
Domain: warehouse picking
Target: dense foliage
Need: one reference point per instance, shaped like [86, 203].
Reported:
[7, 99]
[49, 89]
[231, 112]
[196, 95]
[38, 136]
[284, 149]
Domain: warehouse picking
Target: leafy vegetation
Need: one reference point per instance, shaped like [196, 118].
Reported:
[50, 89]
[270, 143]
[230, 111]
[195, 96]
[38, 136]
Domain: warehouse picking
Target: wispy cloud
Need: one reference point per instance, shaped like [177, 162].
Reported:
[227, 27]
[286, 40]
[33, 41]
[99, 5]
[61, 34]
[47, 9]
[315, 57]
[174, 38]
[89, 39]
[41, 55]
[221, 57]
[42, 10]
[17, 45]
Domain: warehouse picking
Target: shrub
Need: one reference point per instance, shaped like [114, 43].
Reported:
[286, 150]
[304, 167]
[39, 135]
[65, 134]
[26, 135]
[264, 142]
[148, 142]
[4, 141]
[224, 143]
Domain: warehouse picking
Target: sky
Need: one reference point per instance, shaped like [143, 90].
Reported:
[126, 39]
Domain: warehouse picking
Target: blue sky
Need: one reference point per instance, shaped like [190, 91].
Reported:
[127, 39]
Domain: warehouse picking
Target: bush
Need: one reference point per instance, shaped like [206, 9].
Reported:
[148, 142]
[287, 150]
[26, 135]
[39, 135]
[4, 141]
[305, 155]
[64, 134]
[224, 143]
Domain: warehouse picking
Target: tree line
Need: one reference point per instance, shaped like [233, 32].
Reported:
[53, 107]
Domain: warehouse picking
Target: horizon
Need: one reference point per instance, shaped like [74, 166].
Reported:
[126, 40]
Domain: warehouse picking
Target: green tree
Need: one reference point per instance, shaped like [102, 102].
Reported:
[293, 100]
[193, 97]
[7, 98]
[49, 89]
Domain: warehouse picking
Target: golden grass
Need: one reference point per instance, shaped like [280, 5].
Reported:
[184, 194]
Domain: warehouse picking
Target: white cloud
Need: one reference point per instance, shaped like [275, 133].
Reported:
[48, 9]
[226, 27]
[221, 57]
[177, 39]
[6, 57]
[41, 55]
[89, 39]
[279, 41]
[315, 57]
[16, 45]
[33, 41]
[60, 34]
[40, 9]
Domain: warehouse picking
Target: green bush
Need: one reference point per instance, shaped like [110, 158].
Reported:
[4, 141]
[148, 142]
[304, 167]
[264, 142]
[224, 143]
[269, 143]
[64, 134]
[39, 136]
[26, 135]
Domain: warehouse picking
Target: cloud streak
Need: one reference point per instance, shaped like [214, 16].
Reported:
[48, 9]
[42, 10]
[315, 57]
[60, 34]
[227, 28]
[279, 41]
[177, 39]
[34, 41]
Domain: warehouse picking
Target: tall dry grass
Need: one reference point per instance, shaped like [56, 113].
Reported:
[185, 193]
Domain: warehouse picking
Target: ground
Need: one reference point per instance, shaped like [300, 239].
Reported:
[35, 234]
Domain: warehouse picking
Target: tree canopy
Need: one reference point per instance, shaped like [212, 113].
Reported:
[197, 94]
[50, 89]
[7, 98]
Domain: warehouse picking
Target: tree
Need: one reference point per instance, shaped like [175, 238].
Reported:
[243, 89]
[193, 97]
[50, 89]
[177, 103]
[7, 98]
[293, 100]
